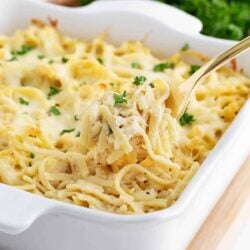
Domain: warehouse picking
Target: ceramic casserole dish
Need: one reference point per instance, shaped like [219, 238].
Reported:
[29, 222]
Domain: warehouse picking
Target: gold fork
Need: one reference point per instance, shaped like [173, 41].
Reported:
[180, 96]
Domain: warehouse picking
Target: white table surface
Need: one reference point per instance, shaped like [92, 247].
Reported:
[238, 234]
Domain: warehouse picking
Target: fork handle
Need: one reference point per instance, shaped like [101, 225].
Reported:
[210, 66]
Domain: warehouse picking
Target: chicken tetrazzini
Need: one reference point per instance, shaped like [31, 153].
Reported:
[90, 123]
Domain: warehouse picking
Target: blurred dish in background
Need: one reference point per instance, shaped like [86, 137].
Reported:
[72, 3]
[228, 19]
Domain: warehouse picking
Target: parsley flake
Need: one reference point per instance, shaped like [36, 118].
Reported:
[119, 99]
[162, 66]
[193, 68]
[186, 119]
[185, 47]
[139, 80]
[64, 59]
[24, 50]
[99, 60]
[55, 111]
[67, 131]
[78, 134]
[151, 85]
[135, 65]
[23, 101]
[76, 118]
[50, 61]
[53, 91]
[32, 156]
[13, 58]
[40, 57]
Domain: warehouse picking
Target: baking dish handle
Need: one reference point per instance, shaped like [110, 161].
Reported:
[171, 16]
[19, 209]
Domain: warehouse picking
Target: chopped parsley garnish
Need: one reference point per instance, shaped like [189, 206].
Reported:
[135, 65]
[51, 61]
[40, 57]
[186, 119]
[151, 85]
[119, 99]
[76, 118]
[99, 60]
[30, 164]
[32, 156]
[13, 58]
[54, 110]
[185, 47]
[162, 66]
[64, 59]
[112, 84]
[53, 91]
[193, 68]
[67, 131]
[24, 50]
[23, 101]
[78, 134]
[139, 80]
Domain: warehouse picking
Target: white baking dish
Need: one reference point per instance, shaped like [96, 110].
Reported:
[29, 222]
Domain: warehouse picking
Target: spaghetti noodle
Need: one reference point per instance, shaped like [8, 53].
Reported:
[90, 124]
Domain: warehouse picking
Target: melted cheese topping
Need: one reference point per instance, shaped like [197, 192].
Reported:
[89, 123]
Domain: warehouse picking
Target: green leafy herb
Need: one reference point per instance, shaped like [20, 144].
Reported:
[119, 99]
[40, 57]
[78, 134]
[228, 19]
[13, 58]
[24, 50]
[53, 91]
[32, 156]
[64, 59]
[139, 80]
[23, 101]
[55, 111]
[112, 84]
[50, 61]
[76, 118]
[193, 68]
[99, 60]
[162, 66]
[67, 131]
[135, 65]
[30, 164]
[152, 85]
[185, 47]
[186, 119]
